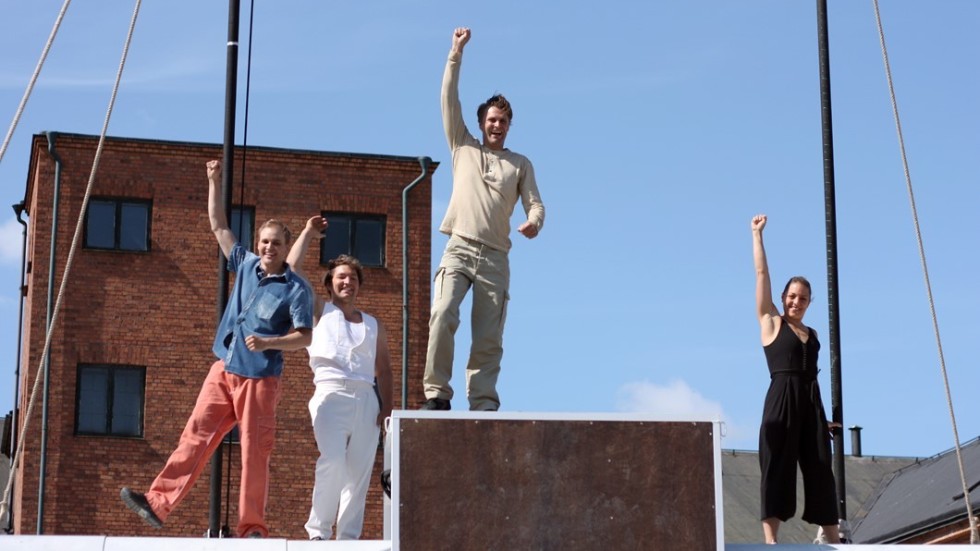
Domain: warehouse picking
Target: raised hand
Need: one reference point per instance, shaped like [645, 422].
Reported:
[214, 170]
[759, 222]
[317, 224]
[460, 37]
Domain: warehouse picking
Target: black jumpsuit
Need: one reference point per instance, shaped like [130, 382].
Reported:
[794, 430]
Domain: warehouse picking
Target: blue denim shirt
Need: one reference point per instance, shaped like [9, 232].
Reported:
[264, 306]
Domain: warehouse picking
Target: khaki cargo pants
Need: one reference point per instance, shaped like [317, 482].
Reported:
[467, 263]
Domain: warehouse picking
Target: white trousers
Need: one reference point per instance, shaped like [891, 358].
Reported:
[345, 414]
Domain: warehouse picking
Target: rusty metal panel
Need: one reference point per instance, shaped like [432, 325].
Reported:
[489, 482]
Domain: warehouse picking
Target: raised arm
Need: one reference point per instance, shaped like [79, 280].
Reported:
[315, 226]
[382, 371]
[765, 310]
[452, 111]
[216, 210]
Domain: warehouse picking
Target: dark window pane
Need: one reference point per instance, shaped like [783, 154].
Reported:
[369, 242]
[337, 240]
[127, 401]
[242, 224]
[134, 226]
[93, 405]
[110, 400]
[100, 229]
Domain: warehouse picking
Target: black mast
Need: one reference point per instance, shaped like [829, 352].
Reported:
[228, 158]
[833, 304]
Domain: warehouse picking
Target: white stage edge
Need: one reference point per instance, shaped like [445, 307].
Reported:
[112, 543]
[391, 460]
[105, 543]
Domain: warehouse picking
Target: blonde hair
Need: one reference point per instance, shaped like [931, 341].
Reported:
[282, 227]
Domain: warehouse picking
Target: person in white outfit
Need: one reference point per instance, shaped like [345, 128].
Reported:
[352, 373]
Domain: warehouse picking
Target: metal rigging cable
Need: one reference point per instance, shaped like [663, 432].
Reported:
[30, 85]
[71, 257]
[974, 539]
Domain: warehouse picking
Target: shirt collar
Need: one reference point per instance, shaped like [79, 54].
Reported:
[260, 273]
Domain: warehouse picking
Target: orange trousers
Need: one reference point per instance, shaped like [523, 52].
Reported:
[225, 399]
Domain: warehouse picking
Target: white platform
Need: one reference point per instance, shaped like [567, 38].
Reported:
[105, 543]
[827, 547]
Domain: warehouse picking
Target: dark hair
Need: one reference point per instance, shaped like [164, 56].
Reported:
[802, 281]
[342, 260]
[498, 101]
[282, 227]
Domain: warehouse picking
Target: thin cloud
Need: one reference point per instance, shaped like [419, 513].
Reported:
[174, 72]
[678, 401]
[675, 400]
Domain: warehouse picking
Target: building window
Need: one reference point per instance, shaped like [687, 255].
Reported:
[242, 224]
[109, 400]
[362, 236]
[118, 224]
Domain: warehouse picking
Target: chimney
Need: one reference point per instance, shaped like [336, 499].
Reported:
[856, 441]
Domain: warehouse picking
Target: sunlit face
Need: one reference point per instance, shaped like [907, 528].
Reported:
[271, 248]
[344, 284]
[796, 300]
[495, 126]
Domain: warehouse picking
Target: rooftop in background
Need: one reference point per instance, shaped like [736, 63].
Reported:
[740, 483]
[920, 497]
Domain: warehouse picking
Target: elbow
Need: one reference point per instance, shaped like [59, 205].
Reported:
[306, 338]
[217, 224]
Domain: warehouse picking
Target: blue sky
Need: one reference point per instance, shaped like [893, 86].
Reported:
[657, 129]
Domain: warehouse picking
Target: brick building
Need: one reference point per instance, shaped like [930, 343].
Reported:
[132, 342]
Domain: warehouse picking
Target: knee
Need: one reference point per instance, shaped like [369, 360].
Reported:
[487, 348]
[773, 432]
[444, 316]
[330, 456]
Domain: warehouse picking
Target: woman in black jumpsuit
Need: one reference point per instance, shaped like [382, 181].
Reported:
[794, 426]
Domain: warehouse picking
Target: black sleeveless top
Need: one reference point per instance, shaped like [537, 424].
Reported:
[790, 356]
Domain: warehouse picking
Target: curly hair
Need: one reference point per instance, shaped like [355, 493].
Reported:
[342, 260]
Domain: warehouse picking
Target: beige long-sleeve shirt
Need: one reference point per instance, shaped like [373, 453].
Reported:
[486, 183]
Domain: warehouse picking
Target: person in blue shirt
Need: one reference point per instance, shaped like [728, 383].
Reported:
[270, 309]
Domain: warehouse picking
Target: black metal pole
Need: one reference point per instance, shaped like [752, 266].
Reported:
[228, 164]
[833, 302]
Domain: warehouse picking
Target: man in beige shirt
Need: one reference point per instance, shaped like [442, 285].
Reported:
[487, 182]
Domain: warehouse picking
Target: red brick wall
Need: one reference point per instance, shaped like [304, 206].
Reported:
[157, 310]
